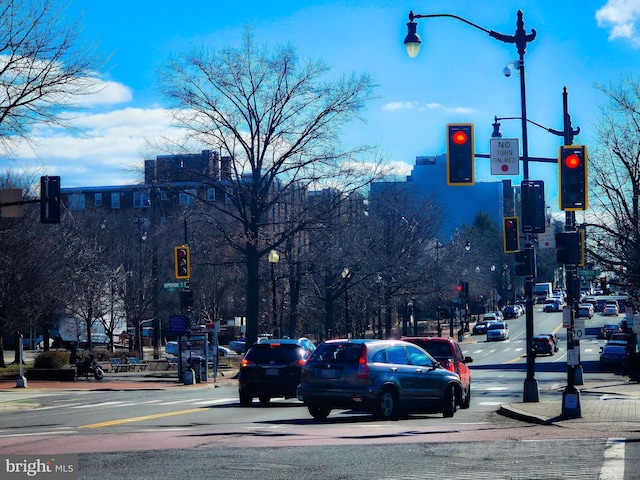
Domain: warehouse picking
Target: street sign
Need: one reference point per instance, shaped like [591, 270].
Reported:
[179, 324]
[505, 156]
[578, 328]
[173, 286]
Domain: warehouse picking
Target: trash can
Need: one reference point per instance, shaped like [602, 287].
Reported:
[199, 366]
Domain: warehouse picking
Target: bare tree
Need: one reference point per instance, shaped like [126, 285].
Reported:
[279, 120]
[613, 228]
[43, 68]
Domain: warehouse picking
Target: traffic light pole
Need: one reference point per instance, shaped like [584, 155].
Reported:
[571, 396]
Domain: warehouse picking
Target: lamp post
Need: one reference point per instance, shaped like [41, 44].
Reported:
[274, 258]
[346, 275]
[520, 39]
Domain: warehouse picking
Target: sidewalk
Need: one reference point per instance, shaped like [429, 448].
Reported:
[612, 406]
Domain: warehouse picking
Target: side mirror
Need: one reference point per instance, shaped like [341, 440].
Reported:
[467, 360]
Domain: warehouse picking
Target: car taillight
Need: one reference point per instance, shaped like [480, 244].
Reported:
[363, 368]
[247, 363]
[448, 364]
[298, 363]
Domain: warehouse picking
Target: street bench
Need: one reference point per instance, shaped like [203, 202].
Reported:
[173, 363]
[135, 364]
[118, 365]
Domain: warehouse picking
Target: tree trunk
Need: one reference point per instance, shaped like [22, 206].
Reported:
[253, 295]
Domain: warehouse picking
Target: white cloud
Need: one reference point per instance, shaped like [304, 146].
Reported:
[398, 106]
[620, 17]
[404, 105]
[106, 93]
[113, 142]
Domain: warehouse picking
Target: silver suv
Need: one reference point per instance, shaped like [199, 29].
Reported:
[378, 376]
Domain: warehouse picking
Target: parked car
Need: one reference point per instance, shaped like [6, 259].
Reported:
[238, 345]
[585, 310]
[609, 329]
[271, 369]
[448, 354]
[378, 376]
[497, 331]
[552, 305]
[543, 345]
[612, 357]
[511, 311]
[480, 328]
[171, 348]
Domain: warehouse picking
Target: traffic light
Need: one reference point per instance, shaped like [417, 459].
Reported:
[526, 263]
[182, 261]
[568, 248]
[49, 199]
[186, 299]
[460, 154]
[511, 234]
[573, 188]
[533, 206]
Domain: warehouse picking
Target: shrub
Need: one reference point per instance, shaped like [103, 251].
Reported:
[51, 360]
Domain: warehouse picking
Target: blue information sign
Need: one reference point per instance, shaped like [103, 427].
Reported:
[179, 324]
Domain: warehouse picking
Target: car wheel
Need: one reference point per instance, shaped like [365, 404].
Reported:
[450, 406]
[245, 398]
[466, 403]
[319, 412]
[385, 407]
[264, 400]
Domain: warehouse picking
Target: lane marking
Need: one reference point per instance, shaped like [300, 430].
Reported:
[613, 464]
[140, 419]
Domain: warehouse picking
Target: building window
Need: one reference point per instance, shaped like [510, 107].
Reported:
[188, 197]
[141, 199]
[76, 201]
[163, 195]
[163, 220]
[97, 200]
[115, 200]
[211, 195]
[227, 199]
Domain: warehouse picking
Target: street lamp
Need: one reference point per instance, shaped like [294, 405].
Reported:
[520, 39]
[346, 275]
[274, 258]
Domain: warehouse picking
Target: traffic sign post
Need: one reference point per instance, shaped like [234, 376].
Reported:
[505, 156]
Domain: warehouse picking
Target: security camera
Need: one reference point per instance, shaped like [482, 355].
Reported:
[507, 71]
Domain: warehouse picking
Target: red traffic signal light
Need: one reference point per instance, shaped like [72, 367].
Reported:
[573, 188]
[182, 260]
[460, 154]
[511, 234]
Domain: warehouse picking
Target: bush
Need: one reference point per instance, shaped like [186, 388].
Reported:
[51, 360]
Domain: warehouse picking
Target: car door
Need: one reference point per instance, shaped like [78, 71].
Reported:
[428, 376]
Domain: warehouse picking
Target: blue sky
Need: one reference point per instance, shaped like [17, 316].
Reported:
[458, 76]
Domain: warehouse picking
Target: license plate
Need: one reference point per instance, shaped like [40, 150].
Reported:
[329, 373]
[272, 371]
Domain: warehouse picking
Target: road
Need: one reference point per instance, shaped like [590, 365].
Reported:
[202, 432]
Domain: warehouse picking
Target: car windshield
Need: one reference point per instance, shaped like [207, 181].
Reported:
[614, 349]
[337, 352]
[260, 354]
[435, 348]
[496, 326]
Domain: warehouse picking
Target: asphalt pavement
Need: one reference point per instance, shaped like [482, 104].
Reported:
[612, 405]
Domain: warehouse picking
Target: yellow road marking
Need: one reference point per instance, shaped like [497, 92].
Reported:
[139, 419]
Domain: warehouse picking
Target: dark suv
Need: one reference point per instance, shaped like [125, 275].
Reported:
[271, 369]
[378, 376]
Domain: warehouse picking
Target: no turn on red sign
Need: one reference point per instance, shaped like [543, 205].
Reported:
[505, 156]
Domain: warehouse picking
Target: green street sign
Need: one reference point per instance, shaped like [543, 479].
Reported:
[173, 286]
